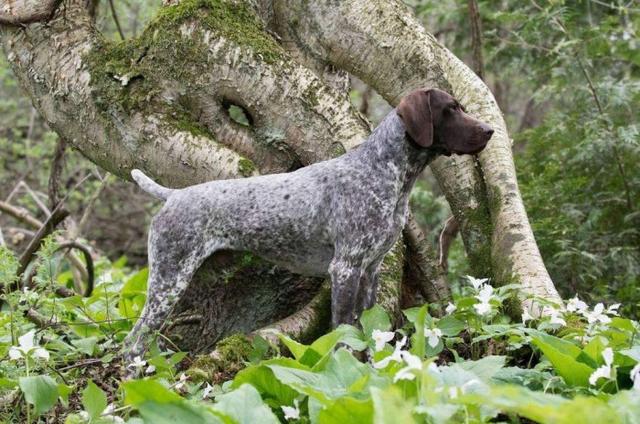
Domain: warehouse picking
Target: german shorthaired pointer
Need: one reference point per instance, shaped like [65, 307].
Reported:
[336, 218]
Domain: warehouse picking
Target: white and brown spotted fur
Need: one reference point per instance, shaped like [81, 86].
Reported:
[336, 218]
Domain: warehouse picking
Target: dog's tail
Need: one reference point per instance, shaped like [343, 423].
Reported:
[150, 186]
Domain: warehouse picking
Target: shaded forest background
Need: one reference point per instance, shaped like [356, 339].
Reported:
[565, 74]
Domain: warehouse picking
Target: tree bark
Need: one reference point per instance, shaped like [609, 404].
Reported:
[169, 102]
[382, 44]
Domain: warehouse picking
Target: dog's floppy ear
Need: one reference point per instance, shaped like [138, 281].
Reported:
[415, 111]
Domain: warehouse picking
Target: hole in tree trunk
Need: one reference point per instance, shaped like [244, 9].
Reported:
[237, 113]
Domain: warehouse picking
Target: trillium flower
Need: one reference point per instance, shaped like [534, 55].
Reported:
[27, 347]
[597, 315]
[613, 309]
[451, 308]
[181, 383]
[291, 412]
[396, 356]
[635, 377]
[526, 316]
[137, 363]
[605, 370]
[433, 335]
[477, 282]
[556, 318]
[484, 296]
[381, 338]
[577, 305]
[413, 363]
[207, 391]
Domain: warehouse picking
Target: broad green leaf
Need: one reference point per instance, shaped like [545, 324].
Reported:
[245, 406]
[41, 391]
[347, 410]
[341, 375]
[86, 345]
[262, 378]
[375, 318]
[570, 362]
[133, 295]
[390, 407]
[484, 368]
[159, 405]
[595, 347]
[450, 326]
[94, 400]
[345, 334]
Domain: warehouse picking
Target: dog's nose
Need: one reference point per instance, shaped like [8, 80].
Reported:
[487, 130]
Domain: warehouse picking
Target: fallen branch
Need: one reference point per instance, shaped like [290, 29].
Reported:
[20, 214]
[57, 216]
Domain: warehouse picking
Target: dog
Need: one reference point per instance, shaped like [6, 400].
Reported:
[336, 218]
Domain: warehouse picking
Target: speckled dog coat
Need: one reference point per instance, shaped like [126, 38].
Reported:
[336, 218]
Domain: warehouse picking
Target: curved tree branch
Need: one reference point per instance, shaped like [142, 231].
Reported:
[16, 12]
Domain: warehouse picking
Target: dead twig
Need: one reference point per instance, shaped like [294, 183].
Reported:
[20, 214]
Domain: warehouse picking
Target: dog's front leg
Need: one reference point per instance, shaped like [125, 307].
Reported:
[345, 282]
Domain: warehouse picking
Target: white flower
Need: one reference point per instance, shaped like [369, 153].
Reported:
[433, 368]
[381, 337]
[451, 308]
[150, 369]
[138, 363]
[291, 412]
[109, 409]
[183, 380]
[27, 347]
[597, 315]
[526, 316]
[635, 377]
[605, 370]
[453, 392]
[395, 356]
[413, 363]
[577, 305]
[433, 334]
[613, 309]
[484, 296]
[477, 282]
[555, 318]
[207, 391]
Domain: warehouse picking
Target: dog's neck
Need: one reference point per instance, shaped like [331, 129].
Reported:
[392, 151]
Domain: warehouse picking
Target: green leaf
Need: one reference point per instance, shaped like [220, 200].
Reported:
[451, 326]
[390, 407]
[41, 391]
[375, 318]
[134, 294]
[564, 357]
[417, 340]
[485, 368]
[347, 410]
[245, 406]
[86, 345]
[262, 378]
[342, 374]
[94, 400]
[159, 405]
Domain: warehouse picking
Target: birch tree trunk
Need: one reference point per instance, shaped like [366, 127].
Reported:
[382, 44]
[168, 102]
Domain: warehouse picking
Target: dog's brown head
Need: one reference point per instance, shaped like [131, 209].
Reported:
[434, 119]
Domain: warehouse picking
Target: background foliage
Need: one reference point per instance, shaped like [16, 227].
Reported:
[565, 73]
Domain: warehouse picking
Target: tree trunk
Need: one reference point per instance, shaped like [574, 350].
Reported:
[206, 92]
[382, 44]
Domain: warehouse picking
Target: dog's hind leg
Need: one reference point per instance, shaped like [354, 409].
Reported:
[172, 264]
